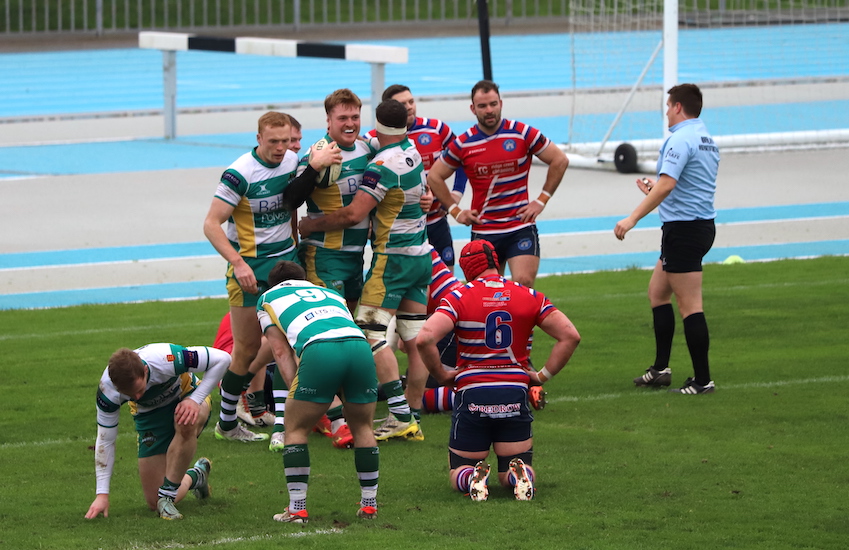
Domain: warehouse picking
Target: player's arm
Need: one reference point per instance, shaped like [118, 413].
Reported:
[219, 212]
[436, 178]
[342, 218]
[104, 461]
[557, 162]
[301, 186]
[435, 329]
[655, 192]
[214, 362]
[559, 327]
[280, 347]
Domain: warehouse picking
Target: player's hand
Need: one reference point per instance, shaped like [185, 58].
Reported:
[446, 377]
[99, 506]
[645, 185]
[245, 276]
[623, 226]
[426, 202]
[305, 226]
[186, 412]
[468, 217]
[323, 158]
[530, 211]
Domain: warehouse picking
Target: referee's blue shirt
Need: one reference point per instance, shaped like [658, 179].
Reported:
[690, 157]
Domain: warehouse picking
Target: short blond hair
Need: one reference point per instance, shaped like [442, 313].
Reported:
[273, 119]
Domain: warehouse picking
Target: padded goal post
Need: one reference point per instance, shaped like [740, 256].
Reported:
[170, 43]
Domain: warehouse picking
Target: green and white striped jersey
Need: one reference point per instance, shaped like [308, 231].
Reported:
[305, 313]
[396, 179]
[260, 225]
[165, 363]
[334, 197]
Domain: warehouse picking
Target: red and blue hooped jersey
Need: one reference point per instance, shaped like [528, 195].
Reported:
[442, 282]
[493, 321]
[497, 166]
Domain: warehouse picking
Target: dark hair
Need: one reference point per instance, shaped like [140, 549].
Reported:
[484, 86]
[392, 90]
[689, 96]
[125, 368]
[286, 271]
[391, 113]
[295, 124]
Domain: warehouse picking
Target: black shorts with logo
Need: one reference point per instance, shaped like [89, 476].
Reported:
[483, 416]
[684, 244]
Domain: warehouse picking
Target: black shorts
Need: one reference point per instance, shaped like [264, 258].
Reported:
[524, 242]
[439, 236]
[684, 244]
[483, 416]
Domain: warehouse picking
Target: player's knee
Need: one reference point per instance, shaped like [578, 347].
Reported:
[410, 324]
[373, 321]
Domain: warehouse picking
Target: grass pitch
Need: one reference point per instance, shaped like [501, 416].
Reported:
[759, 464]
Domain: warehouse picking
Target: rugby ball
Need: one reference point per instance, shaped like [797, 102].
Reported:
[326, 176]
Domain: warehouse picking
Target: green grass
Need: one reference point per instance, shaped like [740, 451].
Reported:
[759, 464]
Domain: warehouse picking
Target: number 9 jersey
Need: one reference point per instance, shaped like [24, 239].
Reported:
[306, 313]
[494, 320]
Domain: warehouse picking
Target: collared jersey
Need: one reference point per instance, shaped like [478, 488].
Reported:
[497, 166]
[395, 179]
[259, 225]
[689, 156]
[306, 313]
[165, 363]
[334, 197]
[493, 321]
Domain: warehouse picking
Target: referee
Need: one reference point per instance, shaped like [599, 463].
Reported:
[684, 195]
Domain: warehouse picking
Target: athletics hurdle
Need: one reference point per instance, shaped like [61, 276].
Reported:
[170, 43]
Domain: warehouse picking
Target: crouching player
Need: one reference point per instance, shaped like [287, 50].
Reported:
[493, 319]
[170, 407]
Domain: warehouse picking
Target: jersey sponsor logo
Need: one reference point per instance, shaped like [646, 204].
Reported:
[231, 178]
[509, 145]
[670, 154]
[104, 404]
[424, 139]
[500, 296]
[504, 410]
[496, 168]
[409, 162]
[370, 179]
[148, 439]
[191, 358]
[169, 358]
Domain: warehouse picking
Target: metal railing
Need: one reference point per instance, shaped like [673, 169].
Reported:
[113, 16]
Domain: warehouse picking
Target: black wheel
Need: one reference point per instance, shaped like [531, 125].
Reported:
[625, 159]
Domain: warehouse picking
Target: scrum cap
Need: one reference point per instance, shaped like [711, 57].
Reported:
[476, 257]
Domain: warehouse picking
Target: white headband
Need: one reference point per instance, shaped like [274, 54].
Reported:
[389, 131]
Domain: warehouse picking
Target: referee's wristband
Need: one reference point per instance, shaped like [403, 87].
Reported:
[544, 375]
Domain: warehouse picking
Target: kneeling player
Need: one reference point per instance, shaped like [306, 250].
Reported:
[493, 319]
[170, 408]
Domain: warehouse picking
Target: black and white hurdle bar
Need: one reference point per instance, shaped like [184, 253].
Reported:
[170, 43]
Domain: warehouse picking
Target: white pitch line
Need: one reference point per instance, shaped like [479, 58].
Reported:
[722, 387]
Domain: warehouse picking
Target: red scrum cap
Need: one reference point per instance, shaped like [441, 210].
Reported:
[476, 257]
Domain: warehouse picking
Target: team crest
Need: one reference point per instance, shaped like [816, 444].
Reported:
[524, 244]
[509, 145]
[424, 139]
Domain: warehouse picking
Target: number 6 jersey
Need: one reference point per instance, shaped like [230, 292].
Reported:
[494, 319]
